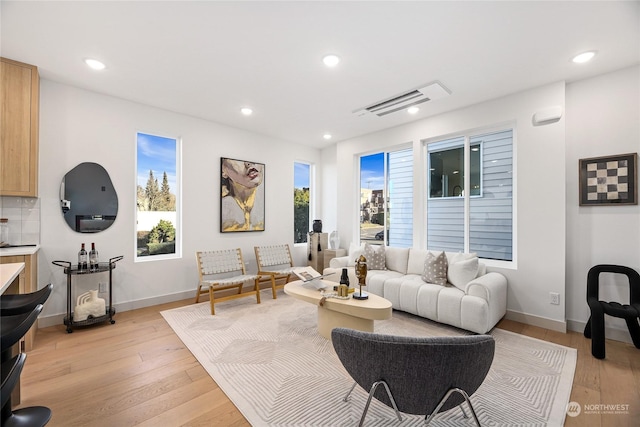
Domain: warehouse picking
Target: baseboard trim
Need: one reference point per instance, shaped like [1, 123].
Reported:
[528, 319]
[616, 334]
[542, 322]
[58, 319]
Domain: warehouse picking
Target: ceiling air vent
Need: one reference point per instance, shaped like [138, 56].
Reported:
[405, 100]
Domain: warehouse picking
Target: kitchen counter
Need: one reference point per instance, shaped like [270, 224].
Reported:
[19, 250]
[9, 273]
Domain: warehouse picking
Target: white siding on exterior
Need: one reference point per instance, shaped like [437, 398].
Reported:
[400, 191]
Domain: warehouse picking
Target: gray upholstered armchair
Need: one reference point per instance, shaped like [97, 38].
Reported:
[421, 375]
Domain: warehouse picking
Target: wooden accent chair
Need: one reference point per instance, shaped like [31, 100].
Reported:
[275, 263]
[221, 270]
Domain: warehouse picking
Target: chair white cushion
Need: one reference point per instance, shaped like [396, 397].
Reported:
[231, 280]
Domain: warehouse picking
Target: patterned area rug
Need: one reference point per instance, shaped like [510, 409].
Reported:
[273, 365]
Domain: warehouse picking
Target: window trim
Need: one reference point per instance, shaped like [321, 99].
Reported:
[178, 226]
[468, 134]
[466, 147]
[385, 190]
[312, 194]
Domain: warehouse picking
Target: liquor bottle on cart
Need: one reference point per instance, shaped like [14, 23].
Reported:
[93, 258]
[82, 259]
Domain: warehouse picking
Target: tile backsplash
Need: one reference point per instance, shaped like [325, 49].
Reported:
[23, 214]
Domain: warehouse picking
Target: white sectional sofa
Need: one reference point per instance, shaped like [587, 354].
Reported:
[476, 302]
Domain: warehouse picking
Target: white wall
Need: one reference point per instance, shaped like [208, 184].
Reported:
[603, 118]
[557, 241]
[79, 126]
[540, 195]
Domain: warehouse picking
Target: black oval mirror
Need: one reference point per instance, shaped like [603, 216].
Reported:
[88, 200]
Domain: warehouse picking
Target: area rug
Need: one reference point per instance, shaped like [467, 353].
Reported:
[274, 366]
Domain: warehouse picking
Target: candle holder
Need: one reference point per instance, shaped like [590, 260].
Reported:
[361, 274]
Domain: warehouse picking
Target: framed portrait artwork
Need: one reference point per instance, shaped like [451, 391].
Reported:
[241, 195]
[609, 180]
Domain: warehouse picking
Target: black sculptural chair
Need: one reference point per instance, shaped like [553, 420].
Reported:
[421, 375]
[21, 303]
[594, 328]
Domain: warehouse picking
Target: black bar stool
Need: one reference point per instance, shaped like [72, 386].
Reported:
[594, 328]
[21, 303]
[13, 328]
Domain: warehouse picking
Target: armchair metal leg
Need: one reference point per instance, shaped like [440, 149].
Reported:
[464, 394]
[346, 396]
[371, 393]
[464, 413]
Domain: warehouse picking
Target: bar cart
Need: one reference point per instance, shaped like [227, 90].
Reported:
[73, 270]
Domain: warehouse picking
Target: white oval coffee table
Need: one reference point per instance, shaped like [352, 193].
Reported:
[339, 313]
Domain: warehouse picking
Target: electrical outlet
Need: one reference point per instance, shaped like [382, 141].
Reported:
[102, 288]
[554, 298]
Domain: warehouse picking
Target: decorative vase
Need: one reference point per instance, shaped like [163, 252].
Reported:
[317, 226]
[334, 239]
[89, 305]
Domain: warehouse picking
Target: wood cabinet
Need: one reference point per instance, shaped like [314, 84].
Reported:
[19, 110]
[28, 284]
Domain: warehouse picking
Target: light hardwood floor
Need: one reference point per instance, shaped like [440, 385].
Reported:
[138, 372]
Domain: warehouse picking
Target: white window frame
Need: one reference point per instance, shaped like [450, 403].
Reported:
[385, 190]
[467, 135]
[312, 195]
[178, 193]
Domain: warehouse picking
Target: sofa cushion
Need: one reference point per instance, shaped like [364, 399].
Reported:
[375, 257]
[355, 251]
[482, 269]
[462, 269]
[376, 280]
[397, 259]
[415, 264]
[435, 268]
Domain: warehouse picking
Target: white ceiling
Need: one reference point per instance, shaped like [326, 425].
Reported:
[207, 59]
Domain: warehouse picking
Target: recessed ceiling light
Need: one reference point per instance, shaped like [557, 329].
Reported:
[331, 60]
[327, 136]
[246, 111]
[412, 110]
[95, 64]
[584, 57]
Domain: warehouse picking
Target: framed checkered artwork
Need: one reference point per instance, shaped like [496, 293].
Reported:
[609, 180]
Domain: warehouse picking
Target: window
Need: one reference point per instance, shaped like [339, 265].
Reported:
[446, 169]
[157, 197]
[301, 205]
[487, 228]
[386, 198]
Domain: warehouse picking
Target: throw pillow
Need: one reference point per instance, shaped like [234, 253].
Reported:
[375, 257]
[462, 270]
[354, 253]
[435, 269]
